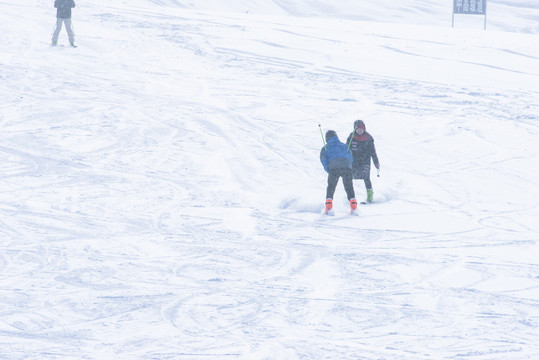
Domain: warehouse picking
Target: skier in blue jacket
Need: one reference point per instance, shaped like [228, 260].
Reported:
[337, 162]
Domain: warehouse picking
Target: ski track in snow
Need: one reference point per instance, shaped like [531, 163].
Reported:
[161, 192]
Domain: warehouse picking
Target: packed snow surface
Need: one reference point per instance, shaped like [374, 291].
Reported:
[161, 189]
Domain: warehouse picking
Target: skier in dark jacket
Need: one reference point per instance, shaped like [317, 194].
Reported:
[361, 145]
[63, 16]
[337, 162]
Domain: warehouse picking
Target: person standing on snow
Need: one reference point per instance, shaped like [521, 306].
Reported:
[63, 16]
[337, 162]
[361, 145]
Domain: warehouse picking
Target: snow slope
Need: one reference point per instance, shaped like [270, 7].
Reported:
[160, 187]
[503, 15]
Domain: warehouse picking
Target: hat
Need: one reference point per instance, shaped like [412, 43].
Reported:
[330, 134]
[359, 124]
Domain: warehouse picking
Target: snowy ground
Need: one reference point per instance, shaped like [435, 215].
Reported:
[160, 186]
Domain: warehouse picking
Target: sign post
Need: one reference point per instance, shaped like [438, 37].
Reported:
[470, 7]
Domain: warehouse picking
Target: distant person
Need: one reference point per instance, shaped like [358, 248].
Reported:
[63, 16]
[337, 162]
[361, 145]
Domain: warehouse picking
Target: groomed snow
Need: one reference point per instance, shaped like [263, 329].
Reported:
[160, 186]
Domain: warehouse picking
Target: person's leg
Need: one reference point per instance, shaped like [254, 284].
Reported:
[70, 33]
[368, 183]
[370, 192]
[56, 31]
[333, 179]
[348, 183]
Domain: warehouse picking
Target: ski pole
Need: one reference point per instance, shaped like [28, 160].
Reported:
[378, 172]
[351, 137]
[323, 140]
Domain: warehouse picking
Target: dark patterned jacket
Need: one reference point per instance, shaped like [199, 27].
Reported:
[363, 150]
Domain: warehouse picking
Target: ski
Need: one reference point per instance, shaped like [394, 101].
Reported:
[336, 216]
[330, 212]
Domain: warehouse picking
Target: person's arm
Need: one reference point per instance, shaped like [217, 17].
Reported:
[323, 159]
[374, 155]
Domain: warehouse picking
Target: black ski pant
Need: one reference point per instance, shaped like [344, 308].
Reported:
[333, 179]
[368, 183]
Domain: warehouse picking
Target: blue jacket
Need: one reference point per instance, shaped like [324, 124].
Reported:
[335, 155]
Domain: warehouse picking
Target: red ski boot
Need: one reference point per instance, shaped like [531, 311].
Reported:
[329, 207]
[353, 207]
